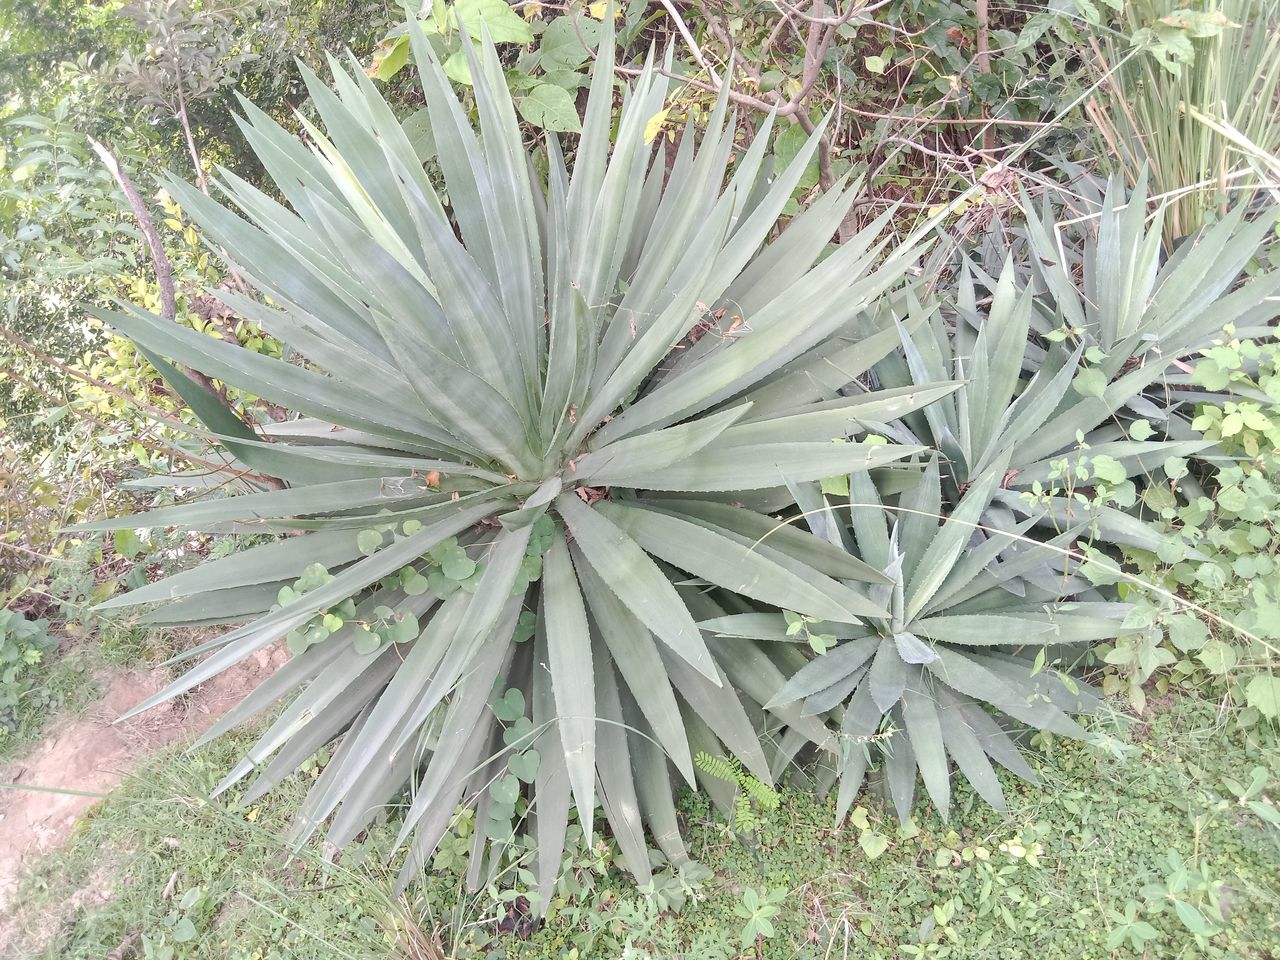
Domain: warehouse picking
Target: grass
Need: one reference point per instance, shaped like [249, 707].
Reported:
[1084, 858]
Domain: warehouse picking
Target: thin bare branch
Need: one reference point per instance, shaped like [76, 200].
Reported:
[159, 259]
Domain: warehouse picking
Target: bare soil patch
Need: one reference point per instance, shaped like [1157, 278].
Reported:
[89, 755]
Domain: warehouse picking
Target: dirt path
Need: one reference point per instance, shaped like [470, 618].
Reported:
[92, 754]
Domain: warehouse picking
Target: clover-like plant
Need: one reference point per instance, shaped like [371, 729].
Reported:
[535, 419]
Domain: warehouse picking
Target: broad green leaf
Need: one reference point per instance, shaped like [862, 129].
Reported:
[873, 844]
[550, 107]
[1263, 694]
[497, 18]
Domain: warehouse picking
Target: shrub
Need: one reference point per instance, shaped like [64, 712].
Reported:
[979, 616]
[23, 646]
[1217, 545]
[530, 459]
[1043, 433]
[1079, 376]
[1182, 104]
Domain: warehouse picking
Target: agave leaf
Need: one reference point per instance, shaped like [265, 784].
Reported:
[263, 563]
[297, 672]
[234, 605]
[997, 360]
[736, 566]
[774, 536]
[612, 463]
[888, 676]
[636, 580]
[569, 661]
[296, 501]
[1114, 525]
[617, 788]
[1133, 455]
[994, 741]
[861, 719]
[918, 518]
[520, 277]
[900, 769]
[772, 342]
[939, 558]
[831, 697]
[966, 750]
[912, 649]
[728, 465]
[292, 274]
[303, 743]
[800, 243]
[977, 629]
[841, 417]
[379, 731]
[773, 626]
[976, 572]
[824, 371]
[552, 790]
[486, 619]
[720, 710]
[266, 377]
[841, 660]
[1033, 408]
[967, 675]
[637, 659]
[868, 521]
[925, 729]
[751, 670]
[333, 700]
[654, 787]
[927, 366]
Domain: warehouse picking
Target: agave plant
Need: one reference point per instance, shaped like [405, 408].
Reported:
[1067, 357]
[1029, 411]
[1130, 300]
[529, 422]
[976, 613]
